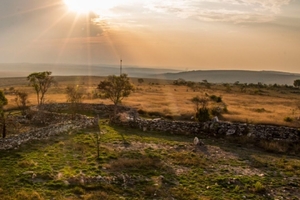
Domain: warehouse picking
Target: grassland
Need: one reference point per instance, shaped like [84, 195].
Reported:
[151, 165]
[147, 165]
[269, 105]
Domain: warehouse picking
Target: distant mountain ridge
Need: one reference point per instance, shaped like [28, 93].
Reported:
[213, 76]
[24, 69]
[231, 76]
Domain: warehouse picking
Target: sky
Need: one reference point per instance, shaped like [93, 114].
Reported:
[177, 34]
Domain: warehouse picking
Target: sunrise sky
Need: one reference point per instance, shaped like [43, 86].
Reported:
[178, 34]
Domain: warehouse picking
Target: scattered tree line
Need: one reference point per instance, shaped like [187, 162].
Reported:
[205, 83]
[116, 88]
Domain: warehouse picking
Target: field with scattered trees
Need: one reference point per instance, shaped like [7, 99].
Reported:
[251, 103]
[109, 161]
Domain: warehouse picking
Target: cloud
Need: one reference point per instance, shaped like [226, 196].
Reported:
[236, 11]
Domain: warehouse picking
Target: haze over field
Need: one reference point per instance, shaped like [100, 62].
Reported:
[212, 76]
[183, 35]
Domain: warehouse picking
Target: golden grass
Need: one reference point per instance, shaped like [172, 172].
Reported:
[270, 108]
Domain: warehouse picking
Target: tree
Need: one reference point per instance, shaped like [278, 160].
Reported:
[202, 112]
[21, 100]
[297, 83]
[41, 82]
[3, 102]
[74, 96]
[115, 88]
[197, 101]
[140, 80]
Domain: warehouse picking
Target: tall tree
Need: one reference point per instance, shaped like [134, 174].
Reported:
[41, 82]
[3, 102]
[115, 88]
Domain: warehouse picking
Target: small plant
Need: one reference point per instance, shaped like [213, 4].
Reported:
[259, 187]
[26, 163]
[288, 119]
[237, 189]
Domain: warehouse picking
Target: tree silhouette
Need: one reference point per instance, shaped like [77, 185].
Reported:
[115, 88]
[3, 102]
[297, 83]
[41, 82]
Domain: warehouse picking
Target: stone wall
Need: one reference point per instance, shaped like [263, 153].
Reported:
[56, 123]
[62, 124]
[268, 132]
[95, 109]
[219, 128]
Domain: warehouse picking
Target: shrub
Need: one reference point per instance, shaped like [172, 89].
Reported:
[28, 195]
[202, 114]
[225, 109]
[288, 119]
[259, 187]
[216, 111]
[216, 98]
[26, 163]
[142, 112]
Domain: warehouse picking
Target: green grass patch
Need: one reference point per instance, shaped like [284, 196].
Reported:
[144, 165]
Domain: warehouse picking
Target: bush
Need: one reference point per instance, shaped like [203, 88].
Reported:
[142, 112]
[202, 115]
[216, 98]
[216, 111]
[225, 109]
[259, 187]
[288, 119]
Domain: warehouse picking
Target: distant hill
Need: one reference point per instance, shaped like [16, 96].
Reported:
[24, 69]
[231, 76]
[213, 76]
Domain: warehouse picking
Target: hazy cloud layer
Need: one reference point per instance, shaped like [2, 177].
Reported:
[236, 11]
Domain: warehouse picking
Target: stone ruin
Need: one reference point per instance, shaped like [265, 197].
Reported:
[219, 128]
[54, 123]
[50, 124]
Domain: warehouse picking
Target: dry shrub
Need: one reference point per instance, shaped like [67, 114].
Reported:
[274, 146]
[131, 164]
[259, 187]
[97, 195]
[28, 195]
[151, 190]
[189, 159]
[26, 163]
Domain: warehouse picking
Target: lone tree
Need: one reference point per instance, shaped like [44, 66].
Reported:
[21, 101]
[3, 102]
[140, 80]
[74, 97]
[115, 88]
[202, 112]
[297, 83]
[41, 82]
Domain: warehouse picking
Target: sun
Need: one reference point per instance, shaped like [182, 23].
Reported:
[86, 6]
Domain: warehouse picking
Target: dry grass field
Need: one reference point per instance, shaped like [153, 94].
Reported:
[160, 98]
